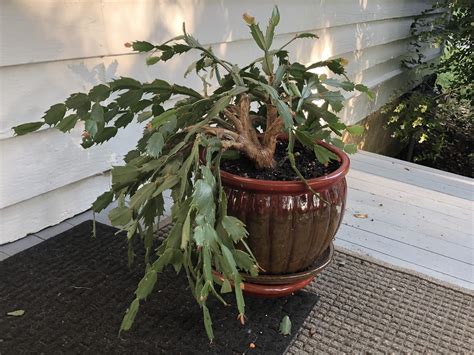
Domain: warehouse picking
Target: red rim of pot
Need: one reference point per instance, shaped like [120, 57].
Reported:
[271, 291]
[296, 186]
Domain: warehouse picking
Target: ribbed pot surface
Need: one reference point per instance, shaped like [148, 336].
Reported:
[289, 227]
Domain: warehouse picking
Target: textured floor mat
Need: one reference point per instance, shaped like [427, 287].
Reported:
[74, 291]
[366, 307]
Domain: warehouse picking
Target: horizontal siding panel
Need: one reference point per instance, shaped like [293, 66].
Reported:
[51, 208]
[359, 106]
[44, 161]
[50, 30]
[64, 77]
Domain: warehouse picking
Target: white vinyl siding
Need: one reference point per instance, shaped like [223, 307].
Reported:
[50, 48]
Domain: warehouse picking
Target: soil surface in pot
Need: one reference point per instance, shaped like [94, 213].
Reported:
[306, 163]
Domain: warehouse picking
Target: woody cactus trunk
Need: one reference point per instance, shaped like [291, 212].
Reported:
[248, 108]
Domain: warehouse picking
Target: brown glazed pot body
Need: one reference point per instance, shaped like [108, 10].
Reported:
[289, 227]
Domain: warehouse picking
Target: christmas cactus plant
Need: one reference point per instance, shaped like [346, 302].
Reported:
[182, 147]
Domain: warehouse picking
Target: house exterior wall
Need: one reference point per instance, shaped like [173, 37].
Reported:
[50, 48]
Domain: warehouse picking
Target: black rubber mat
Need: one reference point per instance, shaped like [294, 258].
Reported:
[74, 291]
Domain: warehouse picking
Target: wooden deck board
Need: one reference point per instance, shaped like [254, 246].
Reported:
[417, 217]
[426, 178]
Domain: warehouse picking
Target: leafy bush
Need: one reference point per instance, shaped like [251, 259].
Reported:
[435, 128]
[434, 120]
[447, 24]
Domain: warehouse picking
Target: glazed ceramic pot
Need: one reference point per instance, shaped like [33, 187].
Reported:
[289, 227]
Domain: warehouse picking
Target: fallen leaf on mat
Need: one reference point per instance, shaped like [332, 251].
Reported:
[285, 326]
[360, 215]
[17, 313]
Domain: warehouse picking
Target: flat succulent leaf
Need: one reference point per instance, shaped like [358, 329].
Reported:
[99, 93]
[168, 127]
[124, 175]
[105, 134]
[267, 65]
[97, 115]
[183, 90]
[334, 98]
[229, 259]
[345, 85]
[111, 111]
[305, 138]
[226, 286]
[334, 65]
[350, 148]
[103, 201]
[244, 261]
[208, 323]
[281, 70]
[79, 101]
[285, 326]
[337, 142]
[91, 127]
[143, 194]
[203, 195]
[204, 235]
[142, 46]
[140, 105]
[146, 285]
[237, 90]
[129, 98]
[17, 313]
[180, 48]
[169, 182]
[120, 216]
[186, 232]
[124, 120]
[324, 155]
[155, 144]
[219, 106]
[356, 130]
[27, 128]
[285, 113]
[152, 60]
[306, 35]
[130, 315]
[124, 83]
[258, 36]
[234, 227]
[157, 86]
[207, 263]
[270, 32]
[67, 123]
[163, 118]
[144, 116]
[55, 114]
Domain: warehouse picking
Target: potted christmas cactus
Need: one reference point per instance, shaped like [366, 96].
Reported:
[256, 167]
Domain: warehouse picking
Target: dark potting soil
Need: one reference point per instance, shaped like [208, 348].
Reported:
[75, 289]
[306, 163]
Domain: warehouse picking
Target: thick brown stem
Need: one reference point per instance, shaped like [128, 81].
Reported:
[245, 137]
[262, 156]
[244, 116]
